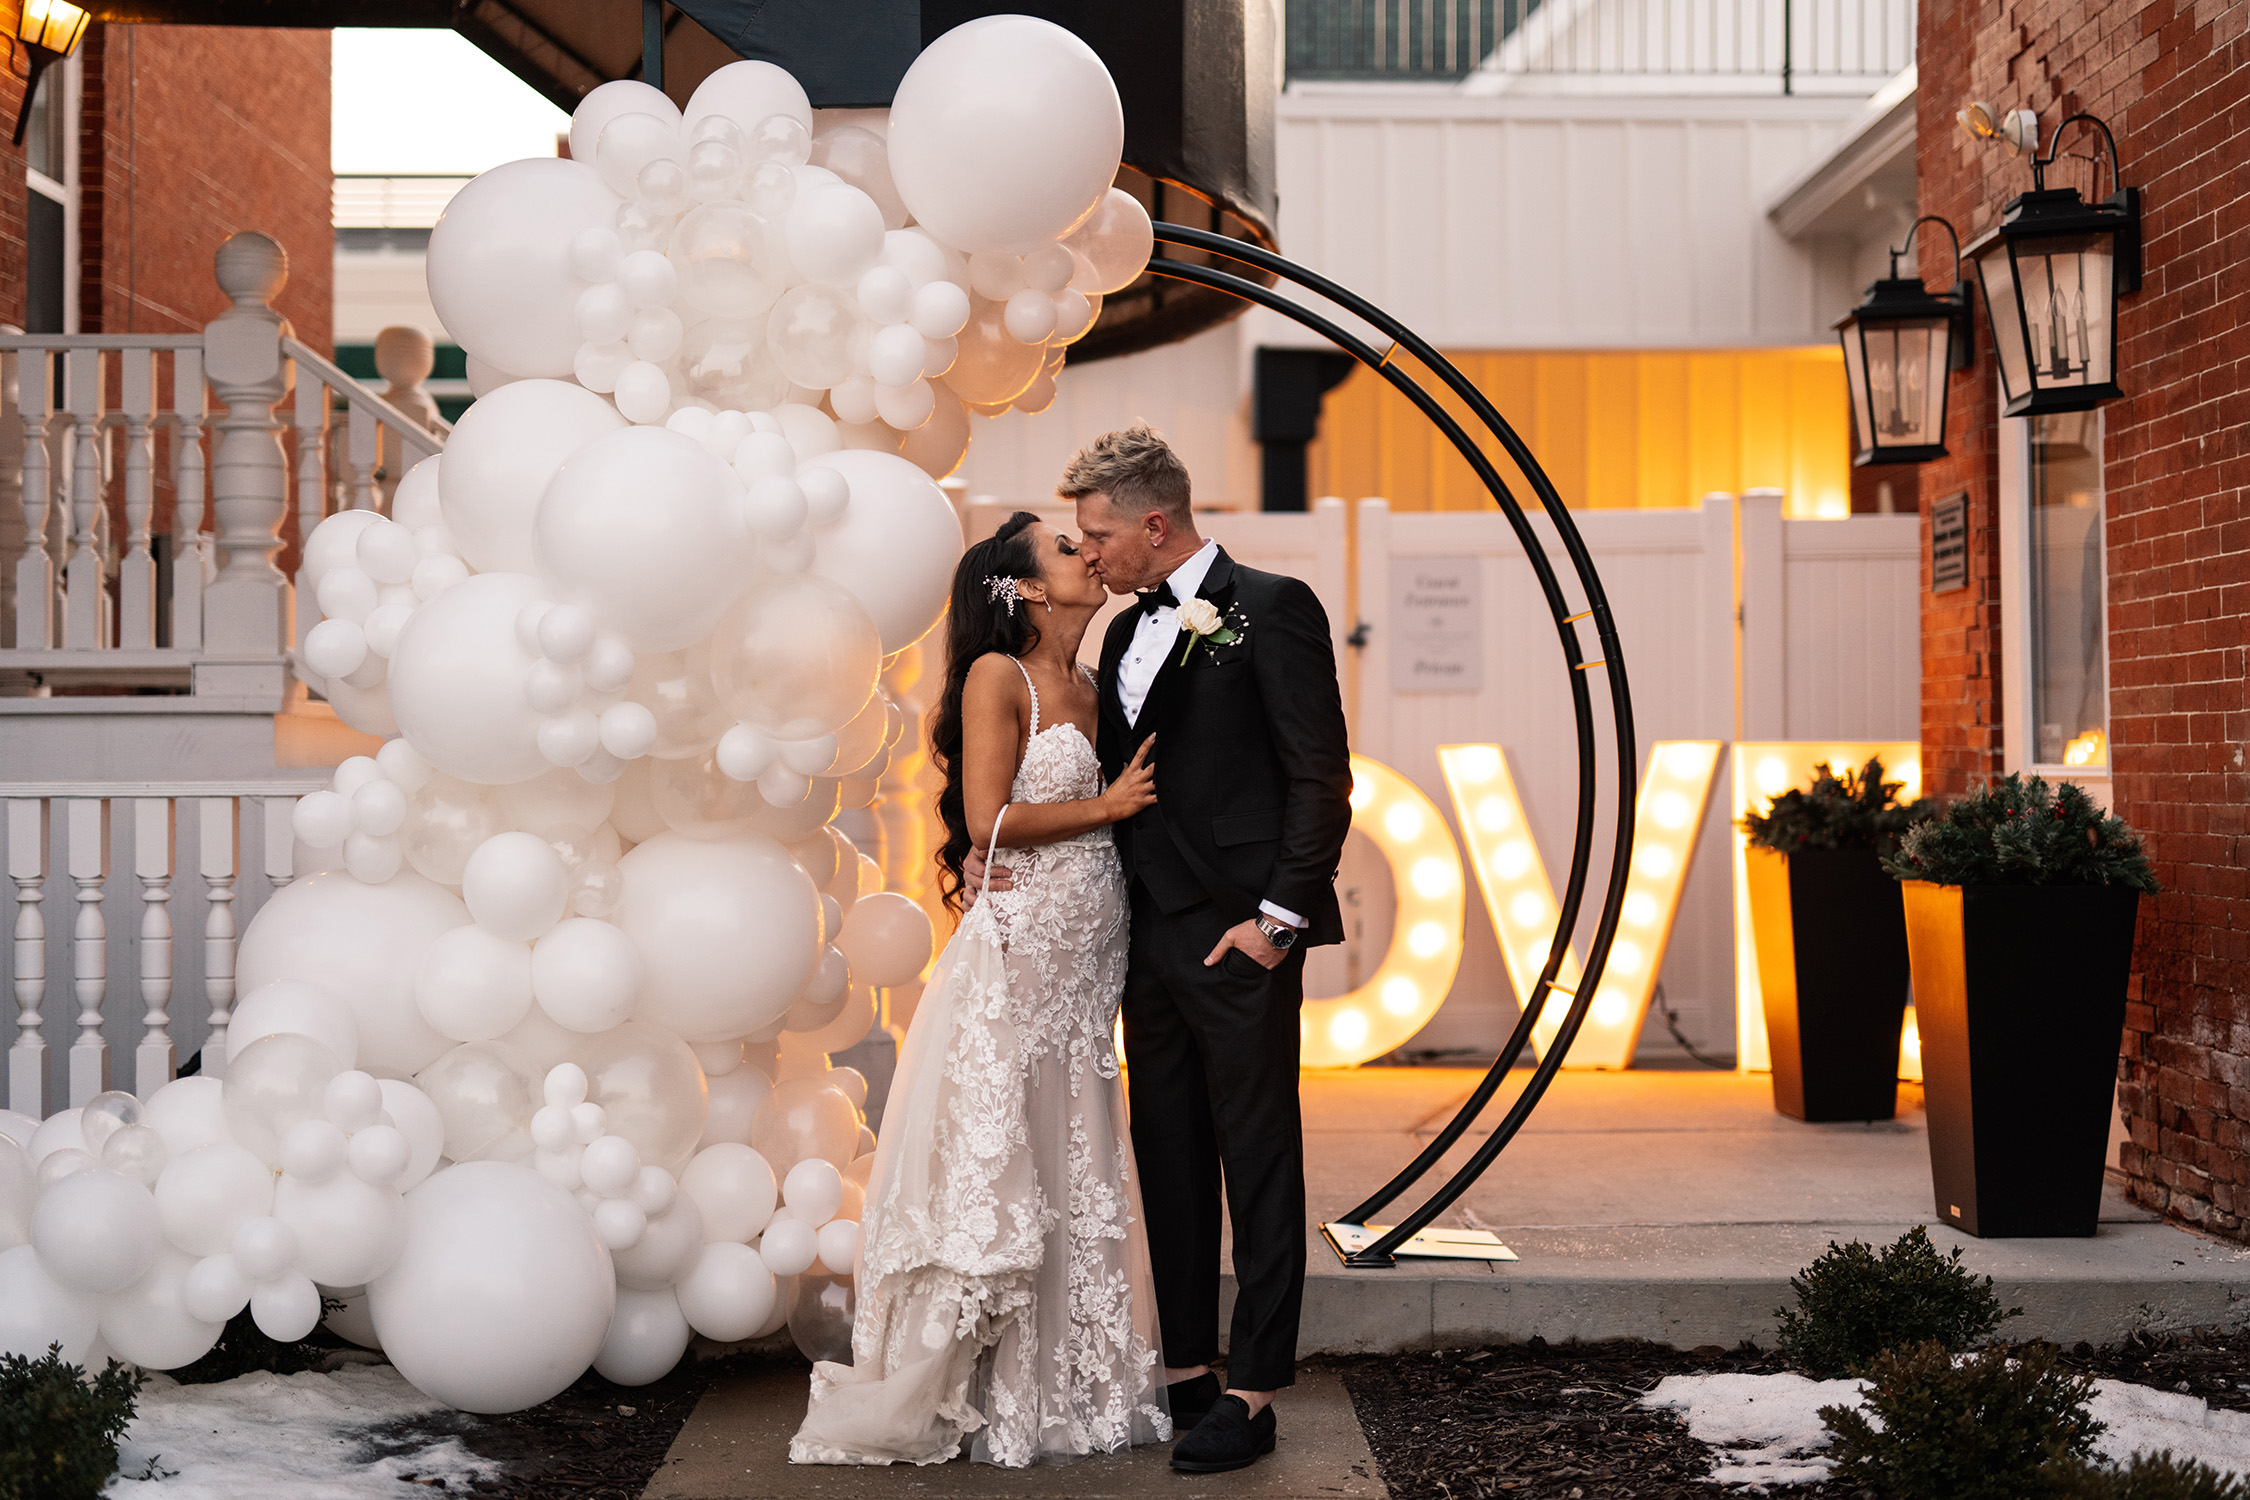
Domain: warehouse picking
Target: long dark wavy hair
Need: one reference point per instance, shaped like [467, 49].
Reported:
[976, 624]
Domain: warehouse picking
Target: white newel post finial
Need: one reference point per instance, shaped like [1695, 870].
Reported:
[405, 356]
[248, 605]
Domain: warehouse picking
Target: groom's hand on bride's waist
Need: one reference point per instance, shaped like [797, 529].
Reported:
[976, 879]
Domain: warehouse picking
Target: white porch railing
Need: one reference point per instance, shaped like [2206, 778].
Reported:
[103, 967]
[100, 584]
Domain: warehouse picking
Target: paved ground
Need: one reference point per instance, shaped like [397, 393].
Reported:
[735, 1447]
[1674, 1206]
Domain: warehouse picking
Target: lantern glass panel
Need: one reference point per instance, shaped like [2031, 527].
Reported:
[1855, 384]
[52, 24]
[2069, 679]
[1906, 381]
[2066, 306]
[1998, 274]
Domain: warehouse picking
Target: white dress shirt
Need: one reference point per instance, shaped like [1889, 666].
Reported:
[1156, 636]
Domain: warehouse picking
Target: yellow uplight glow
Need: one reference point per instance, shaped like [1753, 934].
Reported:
[1762, 771]
[1521, 900]
[1417, 970]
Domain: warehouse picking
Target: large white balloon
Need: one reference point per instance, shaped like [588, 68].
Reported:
[502, 1293]
[1004, 133]
[187, 1113]
[207, 1193]
[347, 1230]
[148, 1323]
[37, 1310]
[605, 102]
[96, 1232]
[293, 1005]
[460, 681]
[499, 270]
[644, 528]
[498, 462]
[888, 938]
[896, 546]
[728, 932]
[362, 944]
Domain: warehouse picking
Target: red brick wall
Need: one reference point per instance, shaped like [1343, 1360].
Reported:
[2172, 80]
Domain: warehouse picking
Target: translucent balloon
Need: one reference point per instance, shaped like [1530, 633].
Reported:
[644, 528]
[347, 1230]
[361, 944]
[728, 1293]
[804, 1117]
[888, 938]
[992, 365]
[814, 332]
[446, 819]
[696, 799]
[484, 1100]
[733, 1188]
[605, 102]
[938, 445]
[647, 1336]
[834, 233]
[209, 1192]
[715, 168]
[474, 985]
[417, 1118]
[105, 1114]
[96, 1232]
[500, 458]
[821, 1309]
[728, 933]
[895, 548]
[585, 975]
[1004, 132]
[797, 656]
[863, 159]
[460, 681]
[499, 266]
[294, 1005]
[37, 1310]
[718, 251]
[725, 361]
[650, 1088]
[1116, 240]
[502, 1294]
[274, 1083]
[149, 1324]
[735, 1097]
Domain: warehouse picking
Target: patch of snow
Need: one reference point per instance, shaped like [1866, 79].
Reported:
[287, 1437]
[1767, 1428]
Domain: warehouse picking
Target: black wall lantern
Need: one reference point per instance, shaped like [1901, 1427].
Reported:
[2053, 271]
[49, 31]
[1899, 346]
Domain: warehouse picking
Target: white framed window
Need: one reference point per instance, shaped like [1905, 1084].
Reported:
[51, 206]
[2054, 599]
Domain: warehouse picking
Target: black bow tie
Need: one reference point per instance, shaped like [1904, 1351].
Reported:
[1160, 597]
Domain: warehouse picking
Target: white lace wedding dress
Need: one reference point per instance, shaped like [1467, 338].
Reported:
[1003, 1279]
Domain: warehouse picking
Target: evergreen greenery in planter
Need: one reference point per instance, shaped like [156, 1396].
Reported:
[1858, 810]
[2019, 832]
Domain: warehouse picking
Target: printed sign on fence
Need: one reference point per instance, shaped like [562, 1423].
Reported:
[1437, 625]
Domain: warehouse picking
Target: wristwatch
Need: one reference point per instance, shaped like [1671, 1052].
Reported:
[1280, 934]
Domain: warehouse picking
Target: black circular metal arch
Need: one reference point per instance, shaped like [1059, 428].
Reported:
[1626, 762]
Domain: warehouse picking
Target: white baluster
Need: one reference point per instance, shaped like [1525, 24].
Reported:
[35, 570]
[218, 844]
[312, 474]
[88, 830]
[281, 841]
[136, 571]
[191, 549]
[27, 867]
[154, 1059]
[85, 601]
[247, 607]
[366, 455]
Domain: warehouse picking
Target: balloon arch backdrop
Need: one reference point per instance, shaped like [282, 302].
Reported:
[537, 1074]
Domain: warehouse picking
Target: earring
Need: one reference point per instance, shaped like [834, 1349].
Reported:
[1050, 605]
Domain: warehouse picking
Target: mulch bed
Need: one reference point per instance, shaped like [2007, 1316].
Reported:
[1534, 1422]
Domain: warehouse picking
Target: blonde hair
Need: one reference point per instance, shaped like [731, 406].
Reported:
[1135, 468]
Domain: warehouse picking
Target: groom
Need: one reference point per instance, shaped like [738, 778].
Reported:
[1232, 875]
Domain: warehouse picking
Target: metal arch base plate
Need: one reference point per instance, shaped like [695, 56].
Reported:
[1350, 1242]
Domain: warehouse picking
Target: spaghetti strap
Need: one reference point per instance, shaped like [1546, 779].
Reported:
[1028, 683]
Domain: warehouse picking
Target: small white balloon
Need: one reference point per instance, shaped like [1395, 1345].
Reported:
[628, 730]
[620, 1222]
[585, 974]
[733, 1188]
[839, 1246]
[729, 1292]
[941, 310]
[215, 1289]
[336, 648]
[814, 1190]
[789, 1247]
[286, 1309]
[515, 886]
[322, 819]
[643, 393]
[473, 984]
[895, 355]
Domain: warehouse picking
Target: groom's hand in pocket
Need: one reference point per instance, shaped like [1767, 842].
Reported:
[1246, 939]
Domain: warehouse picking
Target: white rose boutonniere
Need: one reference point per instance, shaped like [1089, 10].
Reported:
[1204, 625]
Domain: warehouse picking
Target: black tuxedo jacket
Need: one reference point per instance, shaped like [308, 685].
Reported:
[1253, 770]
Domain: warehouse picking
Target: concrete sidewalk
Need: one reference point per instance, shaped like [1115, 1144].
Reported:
[736, 1447]
[1675, 1206]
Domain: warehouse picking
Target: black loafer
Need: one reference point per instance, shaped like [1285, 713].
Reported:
[1190, 1400]
[1228, 1438]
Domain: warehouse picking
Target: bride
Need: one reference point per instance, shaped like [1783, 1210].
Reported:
[1003, 1278]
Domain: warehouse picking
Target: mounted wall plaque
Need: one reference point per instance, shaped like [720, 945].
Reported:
[1949, 544]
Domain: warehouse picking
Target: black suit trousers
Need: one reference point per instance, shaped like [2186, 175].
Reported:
[1212, 1056]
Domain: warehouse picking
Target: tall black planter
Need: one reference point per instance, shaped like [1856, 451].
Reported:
[2020, 994]
[1832, 971]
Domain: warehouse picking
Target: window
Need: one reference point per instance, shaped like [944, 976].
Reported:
[2055, 680]
[47, 208]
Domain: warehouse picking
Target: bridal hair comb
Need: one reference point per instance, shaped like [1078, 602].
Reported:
[1003, 588]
